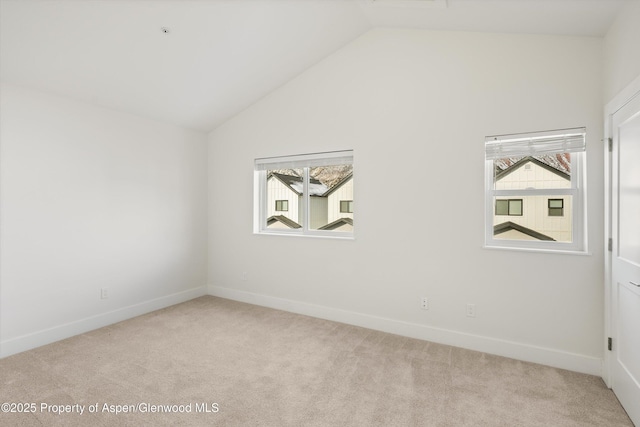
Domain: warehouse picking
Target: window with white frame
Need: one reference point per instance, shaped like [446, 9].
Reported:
[535, 191]
[304, 194]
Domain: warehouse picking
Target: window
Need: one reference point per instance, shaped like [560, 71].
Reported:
[556, 207]
[346, 206]
[509, 207]
[534, 190]
[282, 205]
[309, 194]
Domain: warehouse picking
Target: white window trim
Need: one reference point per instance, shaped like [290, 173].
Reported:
[577, 190]
[304, 162]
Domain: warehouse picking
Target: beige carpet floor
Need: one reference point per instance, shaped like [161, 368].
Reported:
[212, 361]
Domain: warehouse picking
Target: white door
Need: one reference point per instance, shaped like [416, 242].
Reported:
[625, 263]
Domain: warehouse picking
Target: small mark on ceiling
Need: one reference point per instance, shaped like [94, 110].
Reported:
[165, 30]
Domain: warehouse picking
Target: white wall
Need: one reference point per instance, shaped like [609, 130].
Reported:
[622, 47]
[93, 198]
[416, 106]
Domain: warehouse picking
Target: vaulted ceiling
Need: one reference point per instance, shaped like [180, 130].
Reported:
[195, 63]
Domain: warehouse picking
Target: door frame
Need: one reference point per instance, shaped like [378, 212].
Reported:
[619, 101]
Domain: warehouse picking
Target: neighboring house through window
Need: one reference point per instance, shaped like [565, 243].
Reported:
[535, 190]
[305, 194]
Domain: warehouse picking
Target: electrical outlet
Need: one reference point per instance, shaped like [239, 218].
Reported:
[425, 303]
[471, 310]
[104, 293]
[244, 276]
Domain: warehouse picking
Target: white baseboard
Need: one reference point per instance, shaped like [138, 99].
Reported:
[60, 332]
[515, 350]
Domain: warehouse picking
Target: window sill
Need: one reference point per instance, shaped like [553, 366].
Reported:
[543, 251]
[299, 235]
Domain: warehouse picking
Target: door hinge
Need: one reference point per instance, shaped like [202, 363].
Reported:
[610, 142]
[609, 343]
[610, 244]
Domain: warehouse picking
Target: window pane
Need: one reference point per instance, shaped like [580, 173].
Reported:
[284, 193]
[530, 218]
[533, 172]
[329, 186]
[282, 205]
[502, 207]
[515, 207]
[346, 206]
[556, 207]
[555, 203]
